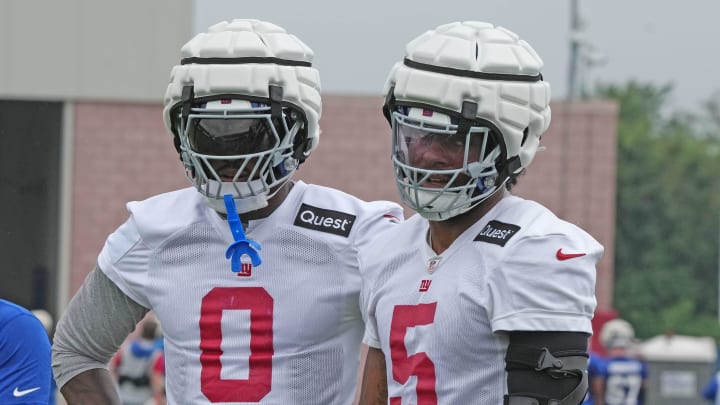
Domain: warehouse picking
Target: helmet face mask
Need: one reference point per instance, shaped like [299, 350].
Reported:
[440, 172]
[236, 146]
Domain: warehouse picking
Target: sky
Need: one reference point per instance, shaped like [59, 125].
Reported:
[356, 43]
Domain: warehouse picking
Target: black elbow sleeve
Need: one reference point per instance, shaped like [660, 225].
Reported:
[546, 368]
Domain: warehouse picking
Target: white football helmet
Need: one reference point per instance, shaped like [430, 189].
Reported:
[473, 85]
[617, 333]
[243, 106]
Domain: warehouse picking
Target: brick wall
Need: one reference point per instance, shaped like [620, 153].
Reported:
[122, 152]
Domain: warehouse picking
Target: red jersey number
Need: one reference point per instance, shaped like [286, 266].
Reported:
[259, 381]
[418, 364]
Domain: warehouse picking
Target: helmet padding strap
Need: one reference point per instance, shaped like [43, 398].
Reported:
[188, 95]
[508, 170]
[389, 105]
[508, 77]
[276, 96]
[468, 115]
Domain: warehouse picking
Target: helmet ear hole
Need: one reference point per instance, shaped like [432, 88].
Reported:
[303, 144]
[525, 135]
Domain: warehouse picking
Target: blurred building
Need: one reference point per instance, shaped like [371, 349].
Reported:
[81, 133]
[678, 368]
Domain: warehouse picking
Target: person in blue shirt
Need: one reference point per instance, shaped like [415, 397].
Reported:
[710, 392]
[595, 364]
[622, 377]
[48, 323]
[25, 372]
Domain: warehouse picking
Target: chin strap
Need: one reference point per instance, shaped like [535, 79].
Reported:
[242, 245]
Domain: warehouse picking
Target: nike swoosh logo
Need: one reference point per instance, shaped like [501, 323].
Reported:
[565, 256]
[18, 393]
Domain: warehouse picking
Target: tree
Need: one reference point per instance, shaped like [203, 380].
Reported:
[668, 212]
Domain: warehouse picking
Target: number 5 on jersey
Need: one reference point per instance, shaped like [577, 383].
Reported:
[418, 364]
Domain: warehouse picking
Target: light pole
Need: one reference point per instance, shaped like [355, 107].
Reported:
[574, 48]
[583, 54]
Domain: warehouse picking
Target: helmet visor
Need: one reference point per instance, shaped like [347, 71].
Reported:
[428, 147]
[231, 136]
[414, 143]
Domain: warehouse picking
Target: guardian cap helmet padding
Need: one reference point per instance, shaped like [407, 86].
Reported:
[488, 82]
[243, 104]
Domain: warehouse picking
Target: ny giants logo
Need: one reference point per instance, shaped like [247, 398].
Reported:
[424, 285]
[245, 270]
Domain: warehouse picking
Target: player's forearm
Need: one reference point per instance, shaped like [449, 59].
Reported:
[597, 390]
[373, 390]
[91, 387]
[374, 393]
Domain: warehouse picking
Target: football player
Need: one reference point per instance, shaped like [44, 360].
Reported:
[482, 297]
[253, 277]
[622, 378]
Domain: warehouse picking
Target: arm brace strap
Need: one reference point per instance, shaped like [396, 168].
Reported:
[561, 365]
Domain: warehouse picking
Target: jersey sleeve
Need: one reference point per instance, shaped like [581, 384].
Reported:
[159, 364]
[545, 283]
[92, 328]
[383, 216]
[644, 370]
[378, 218]
[25, 373]
[125, 260]
[594, 365]
[370, 337]
[602, 370]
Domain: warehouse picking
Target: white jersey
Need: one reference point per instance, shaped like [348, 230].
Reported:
[439, 319]
[285, 332]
